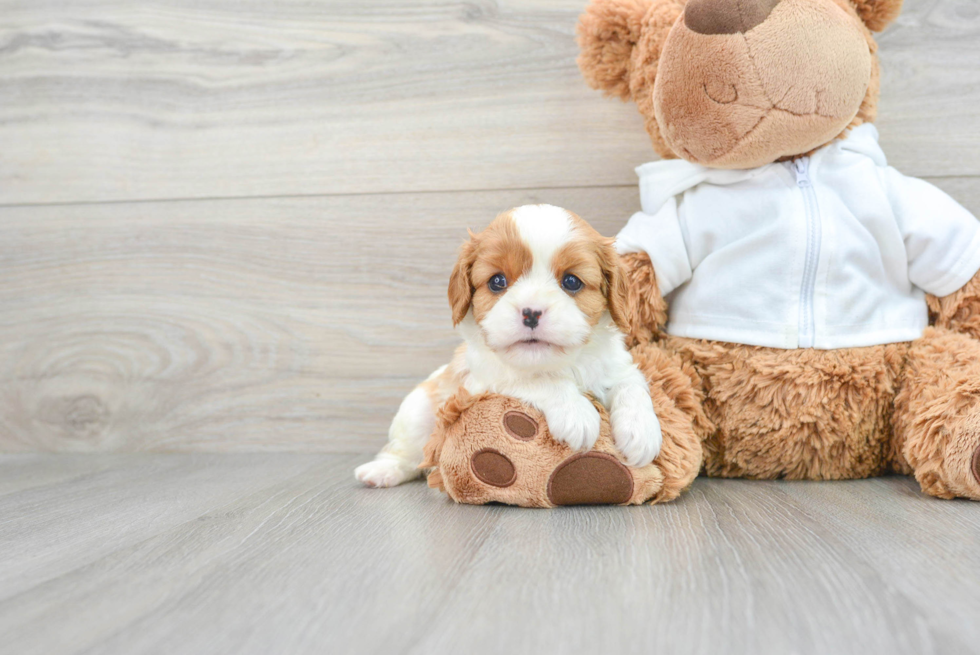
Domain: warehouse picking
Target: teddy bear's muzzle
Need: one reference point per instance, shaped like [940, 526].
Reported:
[742, 83]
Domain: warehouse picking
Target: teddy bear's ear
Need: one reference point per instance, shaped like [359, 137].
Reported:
[878, 14]
[607, 32]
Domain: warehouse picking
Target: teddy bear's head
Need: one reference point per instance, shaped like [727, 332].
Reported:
[738, 83]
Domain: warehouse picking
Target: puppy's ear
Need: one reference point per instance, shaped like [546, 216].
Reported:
[878, 14]
[460, 283]
[607, 32]
[616, 287]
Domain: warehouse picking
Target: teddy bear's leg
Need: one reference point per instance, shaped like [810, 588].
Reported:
[937, 414]
[796, 414]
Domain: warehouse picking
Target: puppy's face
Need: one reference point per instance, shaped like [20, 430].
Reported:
[538, 280]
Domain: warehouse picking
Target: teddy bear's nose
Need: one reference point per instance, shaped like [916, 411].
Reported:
[726, 16]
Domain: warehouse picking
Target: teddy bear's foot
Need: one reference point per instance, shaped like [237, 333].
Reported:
[960, 470]
[951, 469]
[937, 415]
[962, 457]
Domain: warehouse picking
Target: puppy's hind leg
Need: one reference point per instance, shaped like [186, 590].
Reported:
[399, 460]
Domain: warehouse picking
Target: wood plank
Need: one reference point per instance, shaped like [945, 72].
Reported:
[307, 565]
[305, 561]
[734, 567]
[20, 472]
[294, 324]
[233, 325]
[107, 100]
[936, 556]
[48, 530]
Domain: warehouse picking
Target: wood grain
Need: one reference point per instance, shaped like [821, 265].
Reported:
[735, 567]
[257, 554]
[27, 470]
[106, 100]
[294, 324]
[223, 325]
[340, 144]
[63, 524]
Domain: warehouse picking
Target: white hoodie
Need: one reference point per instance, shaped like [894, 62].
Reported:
[836, 250]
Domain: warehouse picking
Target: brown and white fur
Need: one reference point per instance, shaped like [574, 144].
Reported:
[537, 339]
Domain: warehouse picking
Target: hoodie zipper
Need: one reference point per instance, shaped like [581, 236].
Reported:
[806, 319]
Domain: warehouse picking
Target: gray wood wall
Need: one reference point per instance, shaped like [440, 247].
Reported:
[228, 225]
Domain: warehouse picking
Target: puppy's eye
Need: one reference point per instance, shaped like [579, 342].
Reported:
[571, 283]
[497, 283]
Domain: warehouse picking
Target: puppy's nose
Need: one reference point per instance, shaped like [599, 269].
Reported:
[726, 16]
[531, 317]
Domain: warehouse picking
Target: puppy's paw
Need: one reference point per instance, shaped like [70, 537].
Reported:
[574, 424]
[385, 472]
[636, 431]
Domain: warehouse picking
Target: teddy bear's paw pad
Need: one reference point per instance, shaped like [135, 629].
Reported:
[493, 468]
[520, 426]
[590, 479]
[976, 464]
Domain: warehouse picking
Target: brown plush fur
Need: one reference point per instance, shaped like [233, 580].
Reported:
[799, 415]
[878, 14]
[646, 308]
[830, 415]
[937, 414]
[959, 311]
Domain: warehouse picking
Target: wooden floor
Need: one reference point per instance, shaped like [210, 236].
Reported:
[283, 553]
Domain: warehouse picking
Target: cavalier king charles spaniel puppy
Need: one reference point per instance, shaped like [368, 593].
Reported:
[540, 301]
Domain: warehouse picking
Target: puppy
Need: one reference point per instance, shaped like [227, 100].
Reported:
[540, 301]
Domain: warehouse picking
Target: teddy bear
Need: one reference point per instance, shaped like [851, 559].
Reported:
[802, 310]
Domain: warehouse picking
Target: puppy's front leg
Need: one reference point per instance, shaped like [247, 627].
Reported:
[635, 426]
[411, 428]
[572, 419]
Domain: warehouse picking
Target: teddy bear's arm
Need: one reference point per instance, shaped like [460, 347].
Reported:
[941, 236]
[646, 305]
[942, 240]
[960, 310]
